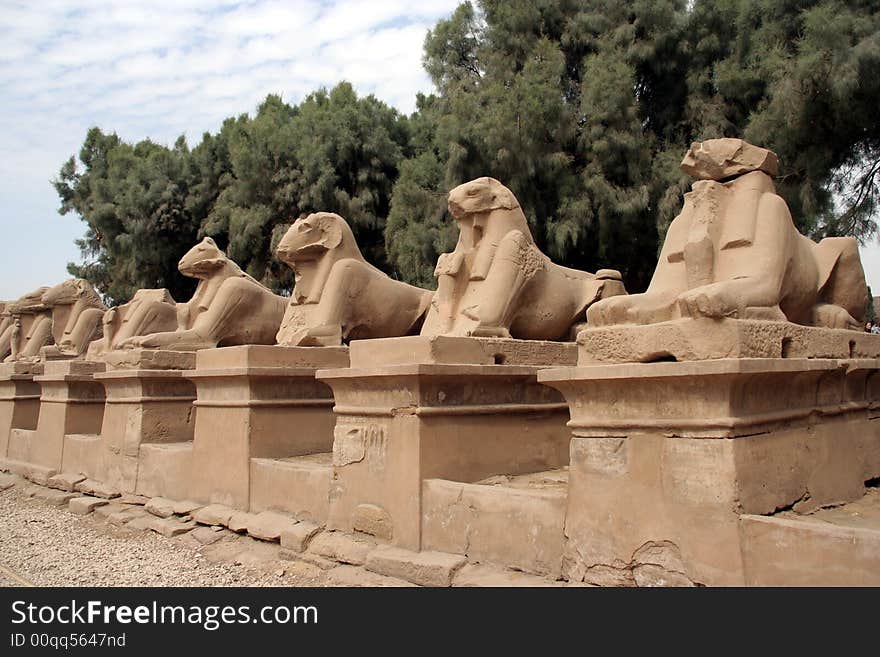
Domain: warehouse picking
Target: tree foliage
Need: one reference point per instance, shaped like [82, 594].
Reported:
[583, 108]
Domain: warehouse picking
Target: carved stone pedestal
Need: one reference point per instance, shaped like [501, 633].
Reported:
[71, 403]
[260, 403]
[19, 400]
[417, 408]
[148, 402]
[665, 457]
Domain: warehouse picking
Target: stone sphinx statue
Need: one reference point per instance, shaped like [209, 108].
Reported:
[497, 283]
[734, 252]
[229, 307]
[338, 295]
[77, 311]
[29, 327]
[149, 311]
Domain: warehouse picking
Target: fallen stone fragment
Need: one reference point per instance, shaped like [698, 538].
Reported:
[141, 523]
[84, 505]
[342, 547]
[8, 480]
[127, 514]
[213, 514]
[160, 506]
[55, 497]
[268, 525]
[424, 568]
[371, 519]
[297, 537]
[97, 488]
[354, 576]
[185, 507]
[238, 521]
[169, 527]
[207, 535]
[65, 480]
[109, 509]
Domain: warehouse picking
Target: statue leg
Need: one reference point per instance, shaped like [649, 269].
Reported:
[85, 329]
[341, 293]
[503, 284]
[5, 342]
[41, 335]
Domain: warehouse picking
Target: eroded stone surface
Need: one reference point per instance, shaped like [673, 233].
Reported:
[213, 514]
[342, 547]
[269, 525]
[423, 568]
[296, 538]
[65, 481]
[84, 505]
[97, 489]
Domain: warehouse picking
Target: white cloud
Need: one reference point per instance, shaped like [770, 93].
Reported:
[161, 68]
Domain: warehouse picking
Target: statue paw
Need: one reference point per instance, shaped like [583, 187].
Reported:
[706, 301]
[317, 336]
[835, 317]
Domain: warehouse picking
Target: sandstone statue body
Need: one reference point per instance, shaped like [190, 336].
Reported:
[149, 311]
[29, 327]
[338, 295]
[229, 307]
[497, 283]
[734, 252]
[77, 313]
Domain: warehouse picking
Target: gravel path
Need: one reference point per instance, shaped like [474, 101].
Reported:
[48, 546]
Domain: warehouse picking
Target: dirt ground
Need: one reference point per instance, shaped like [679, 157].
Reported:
[46, 545]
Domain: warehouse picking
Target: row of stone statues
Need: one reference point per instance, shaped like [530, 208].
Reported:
[733, 252]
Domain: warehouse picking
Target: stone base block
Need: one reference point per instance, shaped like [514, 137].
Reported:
[148, 359]
[666, 456]
[165, 470]
[519, 528]
[19, 447]
[398, 425]
[82, 454]
[803, 552]
[257, 402]
[705, 339]
[434, 350]
[299, 485]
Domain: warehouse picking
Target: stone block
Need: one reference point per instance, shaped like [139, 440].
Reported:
[373, 520]
[342, 547]
[186, 507]
[55, 497]
[169, 527]
[269, 525]
[213, 514]
[109, 508]
[423, 568]
[97, 489]
[297, 537]
[353, 576]
[65, 480]
[161, 507]
[239, 520]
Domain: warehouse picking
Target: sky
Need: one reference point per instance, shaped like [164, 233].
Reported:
[163, 68]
